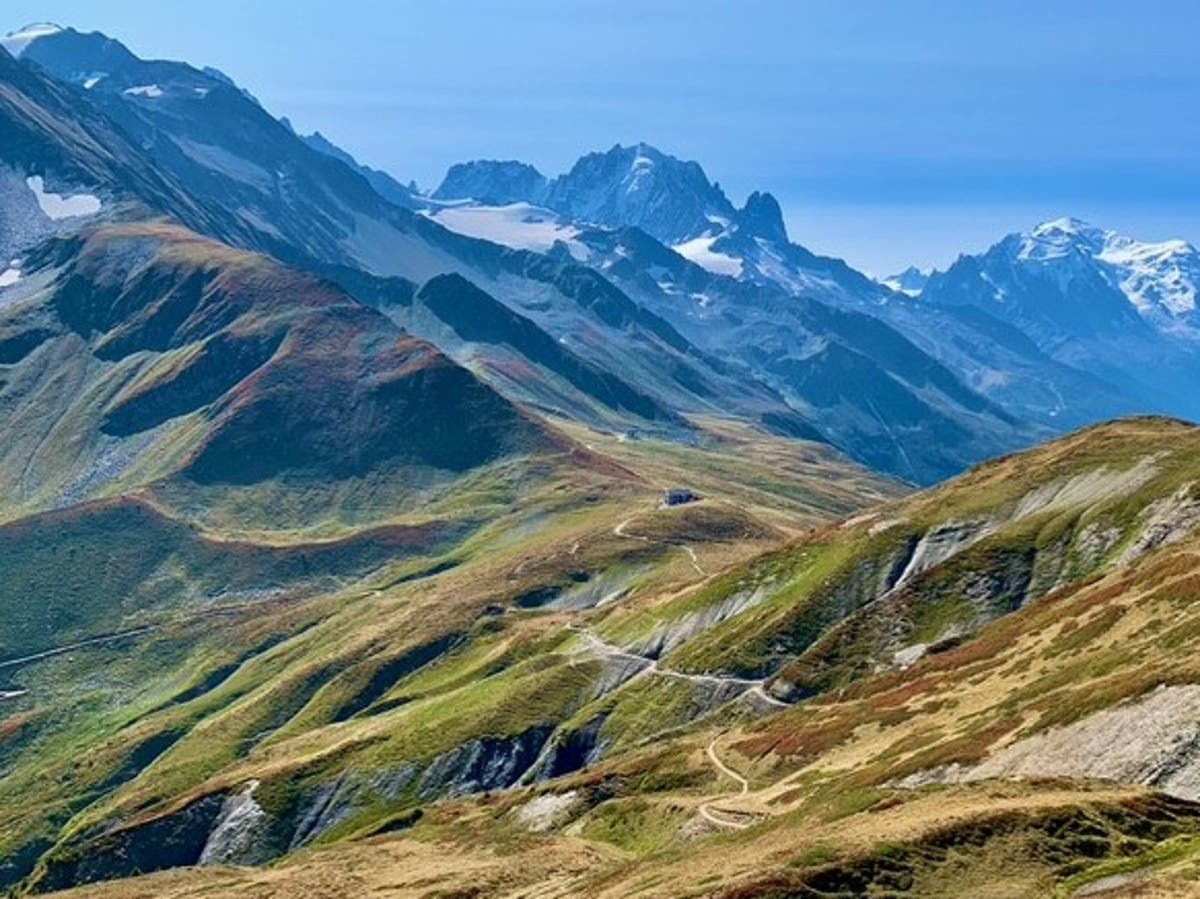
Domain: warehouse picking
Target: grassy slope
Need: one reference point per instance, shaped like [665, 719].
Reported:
[822, 776]
[400, 654]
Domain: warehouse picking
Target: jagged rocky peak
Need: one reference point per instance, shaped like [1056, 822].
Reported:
[626, 186]
[762, 217]
[640, 186]
[910, 281]
[493, 181]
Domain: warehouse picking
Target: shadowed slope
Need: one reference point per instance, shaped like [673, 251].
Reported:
[233, 369]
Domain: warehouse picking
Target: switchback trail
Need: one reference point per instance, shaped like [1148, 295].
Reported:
[726, 817]
[619, 531]
[603, 648]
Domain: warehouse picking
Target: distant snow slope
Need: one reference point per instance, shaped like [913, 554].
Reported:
[16, 42]
[1159, 280]
[522, 226]
[700, 251]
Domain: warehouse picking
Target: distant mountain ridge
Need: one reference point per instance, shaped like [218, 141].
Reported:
[1094, 299]
[1078, 262]
[1063, 325]
[654, 283]
[637, 185]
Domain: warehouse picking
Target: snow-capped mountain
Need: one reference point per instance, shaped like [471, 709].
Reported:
[1066, 278]
[16, 42]
[910, 281]
[674, 202]
[1098, 301]
[97, 62]
[637, 186]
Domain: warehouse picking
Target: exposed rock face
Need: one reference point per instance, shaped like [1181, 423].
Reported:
[340, 799]
[543, 812]
[1153, 741]
[487, 763]
[668, 635]
[1165, 522]
[493, 181]
[570, 751]
[236, 838]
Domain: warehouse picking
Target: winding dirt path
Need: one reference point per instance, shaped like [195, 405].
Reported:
[619, 531]
[728, 818]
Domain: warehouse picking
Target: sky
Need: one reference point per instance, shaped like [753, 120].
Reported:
[891, 132]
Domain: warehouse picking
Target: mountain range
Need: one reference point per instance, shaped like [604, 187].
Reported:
[1055, 326]
[579, 534]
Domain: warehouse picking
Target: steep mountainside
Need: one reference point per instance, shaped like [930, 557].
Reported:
[383, 183]
[262, 187]
[875, 393]
[135, 353]
[839, 715]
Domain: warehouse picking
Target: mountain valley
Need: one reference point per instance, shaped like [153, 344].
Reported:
[566, 536]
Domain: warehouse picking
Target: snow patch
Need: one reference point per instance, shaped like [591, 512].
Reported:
[521, 226]
[57, 206]
[18, 41]
[700, 252]
[149, 91]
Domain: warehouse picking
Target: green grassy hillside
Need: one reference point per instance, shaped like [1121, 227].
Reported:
[838, 714]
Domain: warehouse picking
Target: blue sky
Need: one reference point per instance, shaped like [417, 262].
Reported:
[890, 131]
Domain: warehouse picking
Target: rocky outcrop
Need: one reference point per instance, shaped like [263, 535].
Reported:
[1164, 522]
[485, 763]
[570, 750]
[544, 812]
[669, 634]
[237, 836]
[337, 801]
[1153, 741]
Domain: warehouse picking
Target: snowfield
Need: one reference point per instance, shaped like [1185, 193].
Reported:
[58, 207]
[700, 252]
[1159, 279]
[521, 226]
[150, 91]
[17, 42]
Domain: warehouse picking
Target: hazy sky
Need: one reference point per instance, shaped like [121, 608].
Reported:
[890, 131]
